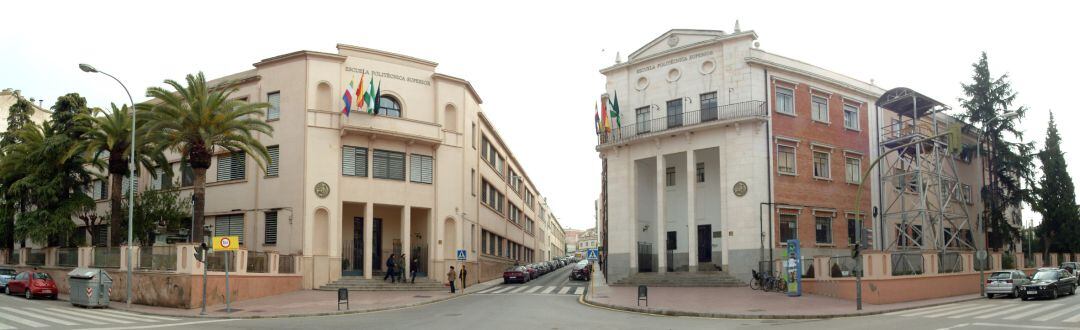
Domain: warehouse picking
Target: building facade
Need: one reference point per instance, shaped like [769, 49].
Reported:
[571, 242]
[8, 97]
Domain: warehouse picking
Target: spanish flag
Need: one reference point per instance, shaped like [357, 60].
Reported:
[605, 120]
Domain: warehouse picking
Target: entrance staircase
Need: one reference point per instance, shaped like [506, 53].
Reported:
[682, 279]
[376, 283]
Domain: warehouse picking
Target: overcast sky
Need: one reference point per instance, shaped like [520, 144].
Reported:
[536, 66]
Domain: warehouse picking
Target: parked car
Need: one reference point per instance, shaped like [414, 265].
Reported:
[1072, 267]
[33, 284]
[581, 271]
[6, 274]
[516, 274]
[533, 270]
[1049, 283]
[1007, 282]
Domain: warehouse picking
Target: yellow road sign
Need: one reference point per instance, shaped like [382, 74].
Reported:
[226, 243]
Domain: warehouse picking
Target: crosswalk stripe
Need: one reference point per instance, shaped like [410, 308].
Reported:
[930, 310]
[519, 289]
[548, 290]
[112, 311]
[488, 290]
[135, 318]
[49, 318]
[564, 290]
[954, 311]
[502, 290]
[1072, 319]
[17, 319]
[1005, 311]
[85, 315]
[68, 317]
[981, 311]
[1032, 312]
[579, 290]
[5, 326]
[1057, 314]
[534, 289]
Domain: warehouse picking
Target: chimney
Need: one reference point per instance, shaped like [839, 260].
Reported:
[737, 29]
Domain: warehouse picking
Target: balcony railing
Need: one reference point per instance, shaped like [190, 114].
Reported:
[650, 127]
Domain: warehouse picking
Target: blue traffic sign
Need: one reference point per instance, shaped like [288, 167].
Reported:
[592, 254]
[461, 255]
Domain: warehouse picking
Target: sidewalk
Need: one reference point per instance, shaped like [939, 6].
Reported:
[741, 302]
[310, 303]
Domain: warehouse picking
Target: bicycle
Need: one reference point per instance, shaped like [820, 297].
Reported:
[756, 281]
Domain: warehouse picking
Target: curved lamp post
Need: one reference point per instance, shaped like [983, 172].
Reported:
[131, 181]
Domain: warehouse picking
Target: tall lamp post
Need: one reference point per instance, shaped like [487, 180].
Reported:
[131, 182]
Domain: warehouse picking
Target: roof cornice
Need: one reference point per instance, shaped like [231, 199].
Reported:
[788, 68]
[717, 39]
[300, 54]
[407, 58]
[467, 84]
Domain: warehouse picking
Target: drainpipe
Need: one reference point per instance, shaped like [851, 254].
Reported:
[768, 164]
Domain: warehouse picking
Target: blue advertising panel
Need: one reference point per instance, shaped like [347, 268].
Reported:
[793, 268]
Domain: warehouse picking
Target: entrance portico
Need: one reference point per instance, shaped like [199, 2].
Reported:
[392, 229]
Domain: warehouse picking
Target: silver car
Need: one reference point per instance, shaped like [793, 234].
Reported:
[1007, 282]
[6, 274]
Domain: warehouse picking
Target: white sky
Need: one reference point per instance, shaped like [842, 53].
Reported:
[536, 66]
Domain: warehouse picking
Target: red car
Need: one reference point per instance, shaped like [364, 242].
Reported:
[533, 271]
[32, 284]
[516, 274]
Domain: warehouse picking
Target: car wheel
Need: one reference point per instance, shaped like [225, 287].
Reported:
[1073, 290]
[29, 295]
[1015, 293]
[1054, 294]
[7, 290]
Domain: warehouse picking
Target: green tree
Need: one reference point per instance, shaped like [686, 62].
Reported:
[1055, 197]
[109, 137]
[19, 115]
[1007, 162]
[154, 208]
[196, 120]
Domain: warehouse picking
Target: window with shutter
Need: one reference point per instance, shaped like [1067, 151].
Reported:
[388, 165]
[231, 166]
[274, 111]
[187, 175]
[272, 167]
[127, 185]
[101, 235]
[421, 168]
[270, 235]
[228, 225]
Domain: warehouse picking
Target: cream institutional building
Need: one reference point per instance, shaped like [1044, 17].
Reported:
[427, 176]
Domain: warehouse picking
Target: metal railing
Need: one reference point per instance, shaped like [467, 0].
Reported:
[67, 257]
[36, 257]
[286, 264]
[215, 262]
[841, 266]
[907, 264]
[157, 258]
[106, 257]
[950, 262]
[258, 262]
[649, 127]
[14, 257]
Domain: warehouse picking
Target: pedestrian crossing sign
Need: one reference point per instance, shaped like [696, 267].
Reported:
[461, 255]
[592, 254]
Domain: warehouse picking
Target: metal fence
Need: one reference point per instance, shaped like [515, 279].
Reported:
[808, 268]
[215, 262]
[258, 262]
[841, 266]
[950, 262]
[14, 257]
[907, 264]
[286, 264]
[984, 264]
[638, 130]
[36, 257]
[67, 257]
[157, 258]
[106, 257]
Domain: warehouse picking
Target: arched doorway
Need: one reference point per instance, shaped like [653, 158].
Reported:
[449, 239]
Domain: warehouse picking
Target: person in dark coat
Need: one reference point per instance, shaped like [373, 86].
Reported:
[463, 272]
[400, 263]
[413, 265]
[389, 269]
[450, 276]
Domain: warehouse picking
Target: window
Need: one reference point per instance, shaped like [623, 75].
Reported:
[270, 234]
[389, 106]
[472, 181]
[967, 193]
[851, 116]
[272, 166]
[785, 159]
[500, 165]
[187, 175]
[100, 235]
[708, 106]
[821, 165]
[161, 179]
[492, 197]
[388, 165]
[231, 166]
[788, 227]
[421, 168]
[669, 174]
[274, 111]
[126, 185]
[853, 169]
[785, 100]
[515, 183]
[674, 113]
[819, 108]
[473, 139]
[354, 161]
[823, 230]
[483, 242]
[851, 231]
[641, 119]
[100, 190]
[227, 225]
[700, 172]
[515, 214]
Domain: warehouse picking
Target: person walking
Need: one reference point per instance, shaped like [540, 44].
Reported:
[450, 276]
[413, 265]
[463, 281]
[400, 262]
[389, 269]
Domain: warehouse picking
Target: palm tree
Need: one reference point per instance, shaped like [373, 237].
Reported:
[197, 120]
[109, 136]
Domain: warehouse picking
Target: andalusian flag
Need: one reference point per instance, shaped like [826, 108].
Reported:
[378, 95]
[596, 118]
[359, 92]
[369, 96]
[348, 100]
[605, 119]
[615, 110]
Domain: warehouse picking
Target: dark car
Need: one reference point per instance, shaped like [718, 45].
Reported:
[1049, 283]
[581, 271]
[33, 284]
[6, 274]
[516, 274]
[533, 270]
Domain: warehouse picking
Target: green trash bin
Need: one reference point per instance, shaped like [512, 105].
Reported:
[90, 287]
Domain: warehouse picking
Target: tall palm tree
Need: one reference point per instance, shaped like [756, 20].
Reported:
[109, 135]
[197, 120]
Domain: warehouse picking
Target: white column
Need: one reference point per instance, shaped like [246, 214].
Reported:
[632, 225]
[661, 233]
[406, 235]
[369, 221]
[691, 226]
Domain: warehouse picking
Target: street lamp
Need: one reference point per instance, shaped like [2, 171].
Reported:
[131, 182]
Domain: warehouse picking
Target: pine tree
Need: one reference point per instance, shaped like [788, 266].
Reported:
[19, 115]
[1055, 197]
[1007, 163]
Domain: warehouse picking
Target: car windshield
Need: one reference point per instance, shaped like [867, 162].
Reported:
[7, 272]
[1046, 276]
[1001, 276]
[515, 269]
[41, 276]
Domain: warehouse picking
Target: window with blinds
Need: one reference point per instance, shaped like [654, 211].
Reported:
[100, 235]
[127, 185]
[187, 175]
[421, 168]
[274, 111]
[272, 167]
[354, 161]
[161, 180]
[228, 225]
[388, 165]
[270, 234]
[231, 166]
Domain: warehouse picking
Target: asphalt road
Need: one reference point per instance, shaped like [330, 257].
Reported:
[16, 312]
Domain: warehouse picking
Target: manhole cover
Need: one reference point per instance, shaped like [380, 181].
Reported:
[421, 296]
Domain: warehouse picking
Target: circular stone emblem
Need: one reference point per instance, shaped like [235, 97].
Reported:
[322, 189]
[673, 41]
[740, 189]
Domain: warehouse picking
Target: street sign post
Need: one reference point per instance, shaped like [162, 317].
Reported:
[227, 244]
